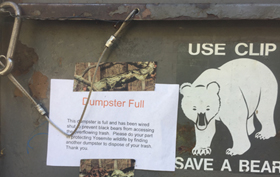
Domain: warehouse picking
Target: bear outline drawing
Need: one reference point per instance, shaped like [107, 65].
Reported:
[233, 94]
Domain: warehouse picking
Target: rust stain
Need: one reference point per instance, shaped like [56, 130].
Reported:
[182, 129]
[17, 93]
[39, 85]
[146, 13]
[183, 149]
[185, 138]
[24, 58]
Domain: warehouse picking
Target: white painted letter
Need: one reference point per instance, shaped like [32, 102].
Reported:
[266, 167]
[261, 49]
[244, 166]
[220, 47]
[268, 49]
[204, 46]
[197, 165]
[226, 165]
[207, 163]
[254, 165]
[237, 49]
[197, 49]
[181, 165]
[276, 165]
[251, 52]
[189, 163]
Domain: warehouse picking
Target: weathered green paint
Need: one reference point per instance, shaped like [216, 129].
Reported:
[60, 44]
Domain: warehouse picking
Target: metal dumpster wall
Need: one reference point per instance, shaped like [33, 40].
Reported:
[58, 45]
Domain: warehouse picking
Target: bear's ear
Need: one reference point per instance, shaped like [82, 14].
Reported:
[184, 87]
[213, 87]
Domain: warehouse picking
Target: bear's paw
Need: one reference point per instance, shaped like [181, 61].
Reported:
[263, 135]
[230, 152]
[201, 151]
[237, 151]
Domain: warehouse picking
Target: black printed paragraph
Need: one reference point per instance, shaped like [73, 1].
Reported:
[109, 133]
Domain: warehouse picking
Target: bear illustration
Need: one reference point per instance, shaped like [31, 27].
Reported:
[233, 94]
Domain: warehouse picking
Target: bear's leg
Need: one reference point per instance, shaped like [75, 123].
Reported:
[204, 139]
[238, 129]
[250, 125]
[265, 112]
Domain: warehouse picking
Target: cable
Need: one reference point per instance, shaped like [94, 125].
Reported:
[90, 91]
[108, 44]
[39, 108]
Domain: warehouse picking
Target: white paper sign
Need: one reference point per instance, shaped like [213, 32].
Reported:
[117, 125]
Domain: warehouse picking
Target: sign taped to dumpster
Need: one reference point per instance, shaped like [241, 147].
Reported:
[132, 125]
[229, 117]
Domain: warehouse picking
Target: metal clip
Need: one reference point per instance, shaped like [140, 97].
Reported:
[10, 53]
[9, 65]
[110, 41]
[40, 109]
